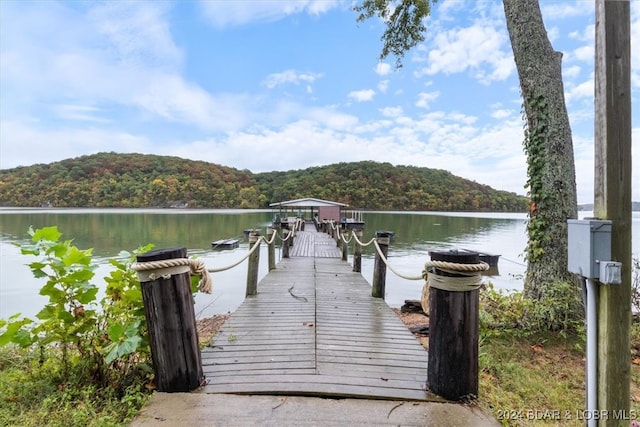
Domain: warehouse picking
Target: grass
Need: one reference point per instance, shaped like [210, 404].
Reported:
[539, 380]
[532, 380]
[32, 393]
[523, 381]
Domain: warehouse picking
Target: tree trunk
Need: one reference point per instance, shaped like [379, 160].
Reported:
[549, 147]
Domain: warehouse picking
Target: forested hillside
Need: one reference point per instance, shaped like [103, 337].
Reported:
[372, 185]
[137, 180]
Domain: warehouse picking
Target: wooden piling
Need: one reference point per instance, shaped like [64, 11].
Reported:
[271, 248]
[345, 246]
[453, 335]
[254, 261]
[171, 322]
[379, 267]
[285, 243]
[357, 252]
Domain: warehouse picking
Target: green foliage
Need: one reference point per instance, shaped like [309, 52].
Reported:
[31, 394]
[105, 339]
[513, 313]
[536, 134]
[635, 286]
[404, 20]
[89, 353]
[135, 180]
[382, 186]
[123, 317]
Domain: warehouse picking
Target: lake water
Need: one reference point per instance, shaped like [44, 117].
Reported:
[108, 231]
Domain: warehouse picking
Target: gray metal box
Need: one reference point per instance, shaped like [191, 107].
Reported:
[589, 242]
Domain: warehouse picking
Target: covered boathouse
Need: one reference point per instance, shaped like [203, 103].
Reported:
[325, 209]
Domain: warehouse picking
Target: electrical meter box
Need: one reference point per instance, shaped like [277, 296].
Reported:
[589, 242]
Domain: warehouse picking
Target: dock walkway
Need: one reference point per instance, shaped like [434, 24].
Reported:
[314, 329]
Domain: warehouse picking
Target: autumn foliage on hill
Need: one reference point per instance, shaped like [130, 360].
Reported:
[141, 181]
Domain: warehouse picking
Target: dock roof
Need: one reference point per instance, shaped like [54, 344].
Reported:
[308, 202]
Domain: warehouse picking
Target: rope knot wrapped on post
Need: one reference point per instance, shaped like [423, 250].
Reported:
[471, 281]
[152, 270]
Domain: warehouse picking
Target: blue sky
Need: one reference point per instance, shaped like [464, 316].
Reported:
[280, 85]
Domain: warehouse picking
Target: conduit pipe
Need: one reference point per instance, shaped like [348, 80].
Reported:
[592, 353]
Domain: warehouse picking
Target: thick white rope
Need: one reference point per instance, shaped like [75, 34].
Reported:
[347, 241]
[472, 279]
[254, 248]
[386, 261]
[363, 244]
[153, 270]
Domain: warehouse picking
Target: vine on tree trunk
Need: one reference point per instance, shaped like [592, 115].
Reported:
[536, 134]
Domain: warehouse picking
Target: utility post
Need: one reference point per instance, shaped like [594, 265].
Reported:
[612, 201]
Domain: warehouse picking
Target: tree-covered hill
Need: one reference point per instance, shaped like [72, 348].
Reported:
[137, 180]
[372, 185]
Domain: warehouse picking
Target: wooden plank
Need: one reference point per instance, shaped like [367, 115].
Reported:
[340, 342]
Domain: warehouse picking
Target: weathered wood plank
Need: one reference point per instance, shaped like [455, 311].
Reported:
[314, 329]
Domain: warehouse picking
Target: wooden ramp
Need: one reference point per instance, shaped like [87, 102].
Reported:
[314, 329]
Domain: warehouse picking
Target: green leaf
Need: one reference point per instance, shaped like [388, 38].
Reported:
[13, 332]
[79, 276]
[87, 296]
[46, 313]
[112, 352]
[115, 332]
[75, 256]
[129, 345]
[50, 290]
[45, 233]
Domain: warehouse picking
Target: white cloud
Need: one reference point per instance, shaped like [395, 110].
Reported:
[554, 10]
[583, 53]
[391, 111]
[586, 35]
[137, 32]
[125, 57]
[362, 95]
[79, 112]
[382, 69]
[501, 114]
[580, 91]
[27, 143]
[480, 48]
[289, 76]
[223, 14]
[426, 98]
[383, 85]
[571, 72]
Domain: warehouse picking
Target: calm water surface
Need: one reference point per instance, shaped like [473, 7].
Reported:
[110, 231]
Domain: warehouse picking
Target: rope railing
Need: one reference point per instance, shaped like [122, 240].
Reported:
[386, 262]
[153, 270]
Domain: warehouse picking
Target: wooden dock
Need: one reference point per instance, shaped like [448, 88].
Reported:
[315, 330]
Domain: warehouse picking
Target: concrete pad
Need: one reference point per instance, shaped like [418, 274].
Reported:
[200, 409]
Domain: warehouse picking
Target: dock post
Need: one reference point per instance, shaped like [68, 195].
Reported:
[285, 243]
[171, 322]
[254, 261]
[357, 252]
[379, 267]
[271, 248]
[453, 333]
[345, 247]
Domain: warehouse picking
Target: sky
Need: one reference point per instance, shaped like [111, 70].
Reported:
[284, 85]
